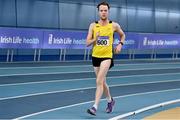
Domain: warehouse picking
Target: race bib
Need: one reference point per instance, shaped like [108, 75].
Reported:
[103, 41]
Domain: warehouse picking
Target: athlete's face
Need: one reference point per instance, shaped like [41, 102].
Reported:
[103, 12]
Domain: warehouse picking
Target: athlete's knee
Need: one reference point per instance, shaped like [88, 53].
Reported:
[99, 82]
[105, 85]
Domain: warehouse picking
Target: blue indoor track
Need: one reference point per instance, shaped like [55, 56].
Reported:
[65, 90]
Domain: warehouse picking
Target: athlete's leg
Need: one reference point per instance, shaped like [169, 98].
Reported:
[106, 91]
[101, 77]
[101, 73]
[105, 86]
[96, 70]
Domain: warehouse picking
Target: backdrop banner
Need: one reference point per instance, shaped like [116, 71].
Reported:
[20, 38]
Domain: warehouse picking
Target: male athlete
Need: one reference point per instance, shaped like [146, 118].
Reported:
[100, 35]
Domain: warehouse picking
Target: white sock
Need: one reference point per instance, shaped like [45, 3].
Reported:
[95, 106]
[109, 99]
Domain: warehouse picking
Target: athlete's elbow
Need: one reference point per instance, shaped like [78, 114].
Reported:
[87, 44]
[122, 35]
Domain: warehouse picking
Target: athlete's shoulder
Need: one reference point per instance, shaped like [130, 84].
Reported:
[115, 24]
[91, 26]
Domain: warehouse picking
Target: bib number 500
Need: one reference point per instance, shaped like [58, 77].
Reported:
[103, 41]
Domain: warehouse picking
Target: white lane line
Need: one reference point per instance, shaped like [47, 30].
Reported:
[40, 67]
[83, 79]
[73, 61]
[116, 70]
[117, 97]
[131, 64]
[76, 89]
[145, 109]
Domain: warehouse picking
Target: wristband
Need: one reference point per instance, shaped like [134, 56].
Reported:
[121, 43]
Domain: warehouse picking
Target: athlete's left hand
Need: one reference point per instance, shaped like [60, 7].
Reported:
[118, 48]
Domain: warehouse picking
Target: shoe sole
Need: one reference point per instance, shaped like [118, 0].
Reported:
[89, 111]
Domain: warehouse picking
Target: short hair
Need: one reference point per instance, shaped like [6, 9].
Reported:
[103, 3]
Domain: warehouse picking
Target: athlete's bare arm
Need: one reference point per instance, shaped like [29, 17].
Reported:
[90, 40]
[121, 34]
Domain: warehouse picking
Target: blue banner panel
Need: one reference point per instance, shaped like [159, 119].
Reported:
[159, 41]
[64, 39]
[56, 39]
[20, 38]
